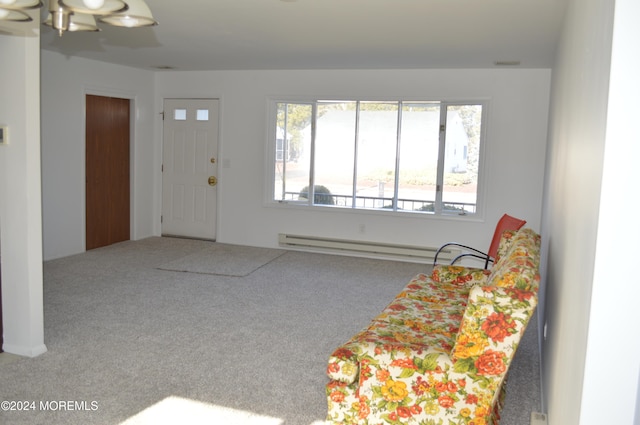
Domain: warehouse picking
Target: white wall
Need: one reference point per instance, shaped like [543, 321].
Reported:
[615, 296]
[515, 148]
[592, 353]
[20, 213]
[65, 83]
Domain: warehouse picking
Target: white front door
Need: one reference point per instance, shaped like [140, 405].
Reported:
[189, 168]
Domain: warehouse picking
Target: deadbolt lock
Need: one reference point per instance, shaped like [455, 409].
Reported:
[213, 181]
[213, 160]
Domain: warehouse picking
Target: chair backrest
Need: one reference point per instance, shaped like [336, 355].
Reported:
[505, 223]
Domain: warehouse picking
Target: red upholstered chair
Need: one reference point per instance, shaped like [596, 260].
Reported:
[505, 223]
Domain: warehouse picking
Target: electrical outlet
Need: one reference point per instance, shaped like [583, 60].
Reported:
[538, 418]
[362, 228]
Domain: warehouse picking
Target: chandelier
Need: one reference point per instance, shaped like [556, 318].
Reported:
[80, 15]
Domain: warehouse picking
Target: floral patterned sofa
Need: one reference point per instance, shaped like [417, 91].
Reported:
[440, 352]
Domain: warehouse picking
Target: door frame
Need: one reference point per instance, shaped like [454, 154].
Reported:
[132, 159]
[222, 162]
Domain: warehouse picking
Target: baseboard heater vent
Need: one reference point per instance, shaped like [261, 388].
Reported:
[364, 248]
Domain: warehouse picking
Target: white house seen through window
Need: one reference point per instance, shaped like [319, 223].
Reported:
[395, 156]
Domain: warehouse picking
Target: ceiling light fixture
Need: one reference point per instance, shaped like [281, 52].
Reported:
[80, 15]
[13, 10]
[94, 7]
[137, 15]
[14, 15]
[77, 22]
[20, 4]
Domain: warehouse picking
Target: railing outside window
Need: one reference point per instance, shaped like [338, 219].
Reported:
[372, 202]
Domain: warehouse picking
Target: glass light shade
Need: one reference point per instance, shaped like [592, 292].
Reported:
[77, 22]
[20, 4]
[14, 15]
[138, 15]
[93, 4]
[109, 6]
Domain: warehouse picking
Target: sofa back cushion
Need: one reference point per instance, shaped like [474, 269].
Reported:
[505, 244]
[518, 266]
[492, 326]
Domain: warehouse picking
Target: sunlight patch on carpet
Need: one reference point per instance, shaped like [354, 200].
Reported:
[177, 410]
[224, 260]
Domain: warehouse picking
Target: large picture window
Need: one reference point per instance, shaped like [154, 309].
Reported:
[394, 156]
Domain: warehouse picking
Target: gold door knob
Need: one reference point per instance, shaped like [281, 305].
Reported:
[213, 181]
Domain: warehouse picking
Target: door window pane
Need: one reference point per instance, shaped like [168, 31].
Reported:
[202, 115]
[180, 114]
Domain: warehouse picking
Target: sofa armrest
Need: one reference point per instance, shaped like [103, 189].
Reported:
[398, 382]
[459, 275]
[343, 366]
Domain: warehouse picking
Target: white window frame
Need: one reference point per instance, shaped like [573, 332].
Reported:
[270, 158]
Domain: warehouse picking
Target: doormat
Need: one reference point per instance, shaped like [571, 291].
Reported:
[224, 260]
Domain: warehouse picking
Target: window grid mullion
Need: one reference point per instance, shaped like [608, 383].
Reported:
[312, 156]
[285, 148]
[396, 180]
[438, 207]
[355, 157]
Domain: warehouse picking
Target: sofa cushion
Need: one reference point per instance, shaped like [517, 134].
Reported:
[459, 275]
[425, 316]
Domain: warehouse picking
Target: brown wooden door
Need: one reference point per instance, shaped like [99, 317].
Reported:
[107, 171]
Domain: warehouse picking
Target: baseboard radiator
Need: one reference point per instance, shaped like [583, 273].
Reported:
[364, 248]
